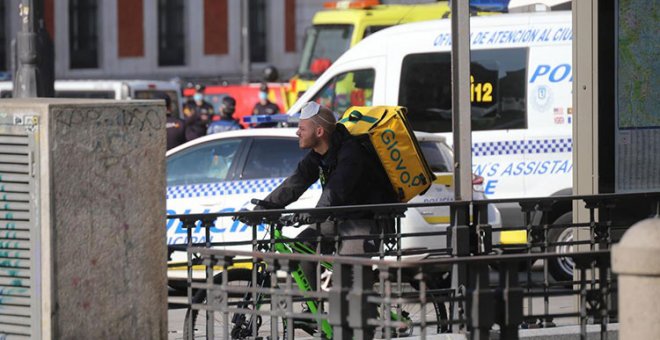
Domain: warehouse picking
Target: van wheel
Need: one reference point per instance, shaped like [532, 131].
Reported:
[561, 268]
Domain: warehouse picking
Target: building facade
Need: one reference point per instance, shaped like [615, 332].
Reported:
[162, 39]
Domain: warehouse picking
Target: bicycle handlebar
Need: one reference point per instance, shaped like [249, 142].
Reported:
[294, 220]
[265, 204]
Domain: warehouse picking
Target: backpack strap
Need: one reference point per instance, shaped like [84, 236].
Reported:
[356, 116]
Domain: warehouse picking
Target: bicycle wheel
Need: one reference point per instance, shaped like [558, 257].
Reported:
[240, 325]
[434, 312]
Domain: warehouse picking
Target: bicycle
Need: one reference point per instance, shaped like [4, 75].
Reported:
[244, 325]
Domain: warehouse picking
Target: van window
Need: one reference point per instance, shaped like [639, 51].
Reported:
[373, 29]
[205, 163]
[323, 45]
[272, 158]
[156, 94]
[498, 90]
[86, 94]
[346, 90]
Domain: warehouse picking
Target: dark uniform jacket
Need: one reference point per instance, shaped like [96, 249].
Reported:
[268, 109]
[222, 125]
[175, 132]
[350, 175]
[195, 126]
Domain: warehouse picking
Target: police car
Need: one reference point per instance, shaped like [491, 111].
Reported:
[223, 172]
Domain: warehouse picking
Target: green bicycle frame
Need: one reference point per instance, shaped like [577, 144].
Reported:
[302, 281]
[299, 276]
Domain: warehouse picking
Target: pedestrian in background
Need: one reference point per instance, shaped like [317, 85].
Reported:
[226, 121]
[197, 114]
[175, 126]
[265, 107]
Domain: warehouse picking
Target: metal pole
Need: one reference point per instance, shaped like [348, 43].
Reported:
[462, 129]
[245, 40]
[34, 68]
[460, 101]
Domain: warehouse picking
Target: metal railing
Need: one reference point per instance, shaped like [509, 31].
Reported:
[395, 292]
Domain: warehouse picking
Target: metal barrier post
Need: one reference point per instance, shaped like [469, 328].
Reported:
[288, 266]
[189, 224]
[460, 246]
[546, 207]
[358, 306]
[341, 275]
[509, 313]
[480, 299]
[532, 234]
[210, 292]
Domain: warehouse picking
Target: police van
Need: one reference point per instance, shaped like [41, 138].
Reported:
[111, 89]
[520, 89]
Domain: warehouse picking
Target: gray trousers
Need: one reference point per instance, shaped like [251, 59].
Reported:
[354, 247]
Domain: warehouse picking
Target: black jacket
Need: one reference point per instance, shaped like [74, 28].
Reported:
[195, 125]
[350, 174]
[175, 131]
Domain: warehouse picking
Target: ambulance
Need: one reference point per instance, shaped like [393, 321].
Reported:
[520, 88]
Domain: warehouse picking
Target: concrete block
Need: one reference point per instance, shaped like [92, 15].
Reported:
[98, 255]
[636, 259]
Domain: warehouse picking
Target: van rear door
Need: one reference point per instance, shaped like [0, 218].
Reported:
[155, 90]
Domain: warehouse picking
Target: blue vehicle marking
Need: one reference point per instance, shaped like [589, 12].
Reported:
[554, 74]
[536, 146]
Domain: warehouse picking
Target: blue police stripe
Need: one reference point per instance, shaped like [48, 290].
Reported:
[227, 188]
[518, 147]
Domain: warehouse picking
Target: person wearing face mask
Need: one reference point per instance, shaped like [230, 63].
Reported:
[197, 114]
[226, 121]
[265, 107]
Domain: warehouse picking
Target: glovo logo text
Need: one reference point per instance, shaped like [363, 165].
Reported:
[388, 137]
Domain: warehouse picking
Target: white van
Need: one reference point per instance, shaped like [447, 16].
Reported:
[521, 92]
[111, 89]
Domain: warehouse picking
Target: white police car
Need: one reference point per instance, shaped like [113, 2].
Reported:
[223, 172]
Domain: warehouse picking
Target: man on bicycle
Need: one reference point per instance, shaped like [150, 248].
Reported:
[350, 174]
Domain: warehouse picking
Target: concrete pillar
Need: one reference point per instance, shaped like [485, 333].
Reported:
[85, 255]
[636, 259]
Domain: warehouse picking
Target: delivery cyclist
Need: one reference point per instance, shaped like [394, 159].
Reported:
[350, 175]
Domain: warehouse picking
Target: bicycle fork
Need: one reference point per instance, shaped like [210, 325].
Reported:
[301, 280]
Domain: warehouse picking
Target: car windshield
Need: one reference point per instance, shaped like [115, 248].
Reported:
[438, 155]
[323, 45]
[201, 164]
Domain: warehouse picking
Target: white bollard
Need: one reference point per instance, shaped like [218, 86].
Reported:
[636, 259]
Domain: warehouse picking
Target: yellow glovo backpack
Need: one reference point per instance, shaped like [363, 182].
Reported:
[395, 144]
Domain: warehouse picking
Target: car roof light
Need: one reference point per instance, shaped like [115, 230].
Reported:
[276, 118]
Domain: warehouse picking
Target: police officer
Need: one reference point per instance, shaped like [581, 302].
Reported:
[197, 113]
[174, 125]
[265, 106]
[226, 121]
